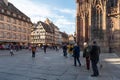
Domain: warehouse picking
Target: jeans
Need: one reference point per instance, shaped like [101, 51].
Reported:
[65, 53]
[75, 61]
[33, 54]
[88, 62]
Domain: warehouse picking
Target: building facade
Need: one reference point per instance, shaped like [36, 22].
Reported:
[15, 26]
[45, 33]
[71, 39]
[42, 34]
[55, 31]
[65, 38]
[99, 20]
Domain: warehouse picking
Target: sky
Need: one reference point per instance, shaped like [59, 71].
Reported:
[61, 12]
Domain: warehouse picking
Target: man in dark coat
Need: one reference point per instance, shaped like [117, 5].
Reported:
[64, 50]
[33, 51]
[45, 47]
[94, 57]
[76, 54]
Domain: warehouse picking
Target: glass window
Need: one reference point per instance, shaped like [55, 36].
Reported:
[19, 22]
[9, 27]
[8, 35]
[24, 23]
[14, 29]
[14, 21]
[14, 36]
[1, 34]
[1, 17]
[8, 12]
[8, 19]
[2, 10]
[1, 25]
[14, 15]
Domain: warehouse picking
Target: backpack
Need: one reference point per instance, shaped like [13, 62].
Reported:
[86, 51]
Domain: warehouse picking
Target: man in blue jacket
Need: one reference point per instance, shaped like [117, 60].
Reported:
[76, 54]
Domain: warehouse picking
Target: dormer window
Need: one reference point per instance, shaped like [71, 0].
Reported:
[14, 14]
[8, 12]
[23, 18]
[28, 19]
[2, 10]
[19, 16]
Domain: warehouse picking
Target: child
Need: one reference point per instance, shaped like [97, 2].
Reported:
[11, 52]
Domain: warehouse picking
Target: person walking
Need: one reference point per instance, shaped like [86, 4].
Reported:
[86, 54]
[94, 57]
[76, 55]
[11, 49]
[64, 50]
[45, 47]
[33, 51]
[11, 52]
[70, 49]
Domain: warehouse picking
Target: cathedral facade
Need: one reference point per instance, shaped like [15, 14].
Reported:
[99, 20]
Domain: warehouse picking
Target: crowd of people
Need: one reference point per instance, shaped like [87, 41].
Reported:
[90, 53]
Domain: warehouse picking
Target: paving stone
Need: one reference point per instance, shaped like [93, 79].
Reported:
[53, 66]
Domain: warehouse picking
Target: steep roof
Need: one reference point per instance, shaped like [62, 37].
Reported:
[12, 9]
[65, 35]
[52, 26]
[2, 5]
[45, 26]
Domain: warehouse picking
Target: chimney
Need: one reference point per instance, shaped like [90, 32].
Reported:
[6, 2]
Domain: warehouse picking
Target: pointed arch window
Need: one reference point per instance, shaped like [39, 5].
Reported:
[113, 3]
[97, 16]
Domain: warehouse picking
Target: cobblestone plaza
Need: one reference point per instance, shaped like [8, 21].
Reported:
[53, 66]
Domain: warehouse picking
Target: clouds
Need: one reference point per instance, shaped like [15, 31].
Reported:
[31, 9]
[66, 26]
[64, 18]
[68, 11]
